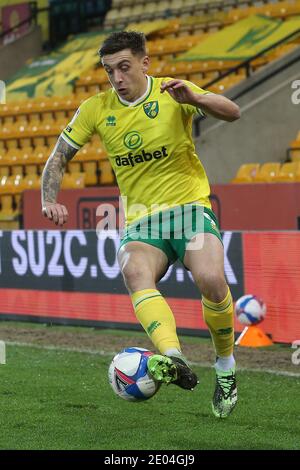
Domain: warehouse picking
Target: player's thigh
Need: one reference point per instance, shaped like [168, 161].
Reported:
[207, 264]
[142, 260]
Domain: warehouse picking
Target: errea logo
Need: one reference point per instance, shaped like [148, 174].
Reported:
[111, 121]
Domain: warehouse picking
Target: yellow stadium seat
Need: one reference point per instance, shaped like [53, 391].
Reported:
[30, 182]
[33, 118]
[176, 5]
[295, 155]
[9, 186]
[89, 156]
[267, 172]
[90, 169]
[73, 181]
[156, 67]
[9, 119]
[287, 172]
[14, 157]
[4, 163]
[150, 8]
[246, 173]
[41, 154]
[295, 149]
[106, 172]
[297, 174]
[74, 166]
[29, 161]
[110, 18]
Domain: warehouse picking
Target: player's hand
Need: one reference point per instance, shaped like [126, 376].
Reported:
[56, 212]
[179, 91]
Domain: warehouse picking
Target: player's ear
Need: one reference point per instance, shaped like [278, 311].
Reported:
[145, 63]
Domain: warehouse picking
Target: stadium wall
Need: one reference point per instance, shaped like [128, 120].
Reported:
[13, 56]
[72, 277]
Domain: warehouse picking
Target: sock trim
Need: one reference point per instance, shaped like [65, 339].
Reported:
[146, 297]
[216, 309]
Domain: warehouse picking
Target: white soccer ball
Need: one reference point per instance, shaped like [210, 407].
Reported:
[250, 310]
[129, 377]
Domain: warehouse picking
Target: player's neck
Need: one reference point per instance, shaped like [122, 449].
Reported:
[141, 95]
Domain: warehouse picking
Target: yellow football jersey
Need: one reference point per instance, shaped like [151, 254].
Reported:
[150, 147]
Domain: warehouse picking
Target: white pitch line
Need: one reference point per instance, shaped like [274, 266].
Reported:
[112, 353]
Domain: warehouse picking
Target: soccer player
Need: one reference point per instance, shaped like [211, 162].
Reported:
[145, 124]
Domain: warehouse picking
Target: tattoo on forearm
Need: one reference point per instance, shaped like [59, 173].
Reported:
[54, 170]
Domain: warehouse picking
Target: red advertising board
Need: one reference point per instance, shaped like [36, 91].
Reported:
[71, 277]
[81, 205]
[237, 206]
[272, 271]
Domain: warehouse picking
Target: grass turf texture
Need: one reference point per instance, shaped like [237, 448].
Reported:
[54, 399]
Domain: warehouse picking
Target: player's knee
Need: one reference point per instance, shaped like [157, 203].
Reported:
[135, 276]
[213, 286]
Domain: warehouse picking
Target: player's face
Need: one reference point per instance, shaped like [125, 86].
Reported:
[126, 73]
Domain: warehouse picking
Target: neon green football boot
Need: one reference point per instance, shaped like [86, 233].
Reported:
[172, 370]
[225, 396]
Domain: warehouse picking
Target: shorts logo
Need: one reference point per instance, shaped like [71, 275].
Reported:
[69, 129]
[133, 140]
[151, 109]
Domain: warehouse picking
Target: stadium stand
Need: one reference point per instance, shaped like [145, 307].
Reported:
[29, 127]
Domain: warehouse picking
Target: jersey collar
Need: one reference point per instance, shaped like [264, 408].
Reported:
[142, 98]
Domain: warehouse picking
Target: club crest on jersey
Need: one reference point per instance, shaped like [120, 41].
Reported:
[151, 109]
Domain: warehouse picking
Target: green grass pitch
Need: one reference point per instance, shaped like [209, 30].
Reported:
[57, 399]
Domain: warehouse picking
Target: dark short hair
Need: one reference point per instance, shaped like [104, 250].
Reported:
[115, 42]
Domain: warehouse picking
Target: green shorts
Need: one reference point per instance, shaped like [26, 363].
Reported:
[172, 229]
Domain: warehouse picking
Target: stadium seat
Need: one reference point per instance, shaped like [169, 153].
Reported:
[30, 182]
[29, 161]
[176, 5]
[287, 172]
[136, 12]
[294, 149]
[73, 181]
[4, 163]
[41, 155]
[148, 11]
[9, 186]
[110, 18]
[106, 172]
[267, 172]
[246, 173]
[14, 157]
[88, 157]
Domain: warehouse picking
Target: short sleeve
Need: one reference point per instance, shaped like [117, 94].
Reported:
[189, 109]
[81, 127]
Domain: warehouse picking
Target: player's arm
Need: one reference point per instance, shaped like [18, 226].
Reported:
[51, 180]
[218, 106]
